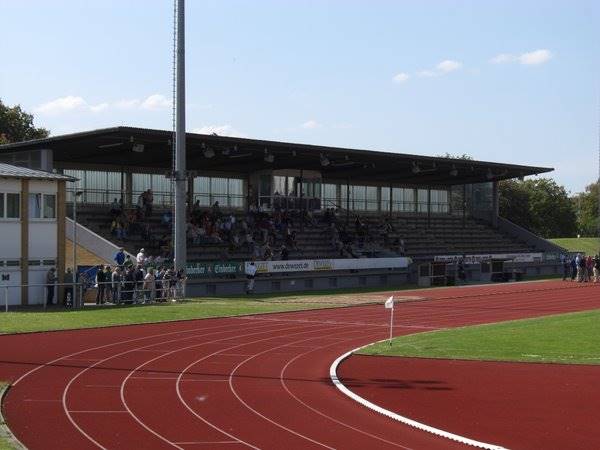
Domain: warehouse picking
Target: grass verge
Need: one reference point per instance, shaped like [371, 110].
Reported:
[61, 319]
[566, 338]
[588, 245]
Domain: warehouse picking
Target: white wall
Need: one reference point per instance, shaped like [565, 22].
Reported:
[45, 187]
[42, 239]
[14, 293]
[10, 239]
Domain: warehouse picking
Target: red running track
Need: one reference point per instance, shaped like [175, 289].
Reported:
[258, 381]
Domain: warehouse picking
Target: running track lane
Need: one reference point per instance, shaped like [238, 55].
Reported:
[252, 382]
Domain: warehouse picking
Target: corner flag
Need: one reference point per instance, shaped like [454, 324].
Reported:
[389, 303]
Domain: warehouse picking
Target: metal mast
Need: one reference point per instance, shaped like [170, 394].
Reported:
[180, 169]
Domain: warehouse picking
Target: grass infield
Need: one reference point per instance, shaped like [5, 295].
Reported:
[572, 338]
[589, 245]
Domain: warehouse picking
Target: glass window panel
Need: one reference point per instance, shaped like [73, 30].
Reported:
[202, 190]
[280, 185]
[13, 207]
[236, 193]
[49, 206]
[35, 206]
[371, 192]
[1, 205]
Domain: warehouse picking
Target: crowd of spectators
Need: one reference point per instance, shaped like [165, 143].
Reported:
[581, 268]
[140, 280]
[264, 235]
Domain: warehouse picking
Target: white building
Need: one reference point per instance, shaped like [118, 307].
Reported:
[32, 232]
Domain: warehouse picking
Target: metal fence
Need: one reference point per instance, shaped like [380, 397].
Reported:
[77, 295]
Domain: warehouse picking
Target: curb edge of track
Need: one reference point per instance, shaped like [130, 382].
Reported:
[392, 415]
[5, 431]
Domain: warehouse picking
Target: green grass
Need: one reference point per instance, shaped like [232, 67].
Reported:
[588, 245]
[60, 319]
[565, 338]
[5, 443]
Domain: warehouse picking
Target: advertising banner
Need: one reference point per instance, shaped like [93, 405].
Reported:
[311, 265]
[474, 259]
[214, 269]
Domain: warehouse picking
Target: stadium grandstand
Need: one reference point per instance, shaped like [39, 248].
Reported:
[337, 217]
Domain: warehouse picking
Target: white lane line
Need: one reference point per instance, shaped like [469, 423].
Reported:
[178, 384]
[124, 382]
[122, 411]
[241, 400]
[72, 380]
[327, 416]
[206, 442]
[392, 415]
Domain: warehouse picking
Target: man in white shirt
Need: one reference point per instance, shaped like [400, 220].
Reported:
[141, 257]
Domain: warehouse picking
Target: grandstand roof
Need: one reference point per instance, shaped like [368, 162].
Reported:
[10, 171]
[135, 147]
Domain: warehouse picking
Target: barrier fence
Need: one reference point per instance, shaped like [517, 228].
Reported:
[76, 295]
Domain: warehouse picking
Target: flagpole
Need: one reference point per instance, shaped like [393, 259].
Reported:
[391, 322]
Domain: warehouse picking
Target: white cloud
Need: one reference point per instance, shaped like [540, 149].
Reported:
[529, 59]
[401, 77]
[442, 68]
[156, 102]
[448, 66]
[535, 57]
[72, 103]
[61, 105]
[221, 130]
[310, 124]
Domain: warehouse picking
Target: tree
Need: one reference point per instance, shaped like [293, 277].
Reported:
[586, 205]
[17, 125]
[540, 205]
[451, 156]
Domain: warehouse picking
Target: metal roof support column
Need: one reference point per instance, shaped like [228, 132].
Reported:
[391, 200]
[347, 201]
[180, 169]
[428, 206]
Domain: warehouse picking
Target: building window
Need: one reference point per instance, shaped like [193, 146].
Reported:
[42, 206]
[9, 205]
[49, 206]
[13, 206]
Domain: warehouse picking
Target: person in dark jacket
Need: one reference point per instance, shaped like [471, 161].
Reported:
[100, 279]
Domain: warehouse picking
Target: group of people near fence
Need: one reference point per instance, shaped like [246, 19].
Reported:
[582, 268]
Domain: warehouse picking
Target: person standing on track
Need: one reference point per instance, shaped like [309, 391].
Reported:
[50, 280]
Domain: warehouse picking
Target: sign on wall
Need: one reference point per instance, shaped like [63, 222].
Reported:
[312, 265]
[474, 259]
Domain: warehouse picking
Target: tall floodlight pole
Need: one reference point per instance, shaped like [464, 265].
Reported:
[180, 169]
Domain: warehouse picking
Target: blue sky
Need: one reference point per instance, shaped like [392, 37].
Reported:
[510, 81]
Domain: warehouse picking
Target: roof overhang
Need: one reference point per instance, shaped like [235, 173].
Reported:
[127, 147]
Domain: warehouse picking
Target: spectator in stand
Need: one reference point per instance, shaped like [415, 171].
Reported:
[167, 218]
[128, 262]
[573, 268]
[50, 280]
[216, 210]
[141, 204]
[268, 253]
[141, 257]
[160, 273]
[596, 268]
[120, 257]
[149, 202]
[100, 285]
[115, 208]
[284, 253]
